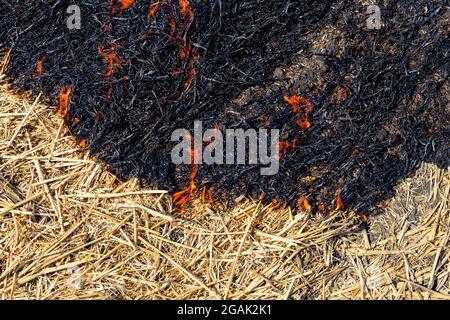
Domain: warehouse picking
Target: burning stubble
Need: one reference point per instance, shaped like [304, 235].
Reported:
[242, 147]
[348, 134]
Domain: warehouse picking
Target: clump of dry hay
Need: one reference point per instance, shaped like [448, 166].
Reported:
[63, 217]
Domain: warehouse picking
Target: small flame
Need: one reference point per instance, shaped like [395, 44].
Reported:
[363, 218]
[40, 66]
[284, 146]
[339, 203]
[112, 61]
[301, 108]
[64, 94]
[185, 51]
[186, 10]
[303, 204]
[125, 4]
[154, 7]
[82, 143]
[180, 198]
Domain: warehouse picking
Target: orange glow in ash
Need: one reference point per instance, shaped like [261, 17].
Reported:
[303, 204]
[40, 65]
[154, 7]
[191, 71]
[363, 218]
[125, 4]
[339, 203]
[203, 195]
[82, 143]
[186, 10]
[112, 61]
[301, 108]
[284, 146]
[64, 94]
[185, 51]
[303, 123]
[180, 198]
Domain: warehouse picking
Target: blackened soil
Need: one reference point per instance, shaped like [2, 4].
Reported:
[380, 96]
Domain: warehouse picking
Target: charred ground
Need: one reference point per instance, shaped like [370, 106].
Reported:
[134, 74]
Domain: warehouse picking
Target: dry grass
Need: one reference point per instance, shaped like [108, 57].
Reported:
[64, 218]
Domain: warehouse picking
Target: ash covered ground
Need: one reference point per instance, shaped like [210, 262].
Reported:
[358, 109]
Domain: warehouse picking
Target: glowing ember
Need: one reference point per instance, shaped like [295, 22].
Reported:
[203, 195]
[301, 108]
[40, 66]
[284, 146]
[112, 61]
[339, 203]
[125, 4]
[180, 198]
[154, 7]
[303, 204]
[185, 51]
[64, 94]
[186, 10]
[82, 143]
[363, 218]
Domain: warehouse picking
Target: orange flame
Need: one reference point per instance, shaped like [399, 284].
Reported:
[185, 51]
[64, 94]
[339, 203]
[203, 195]
[186, 10]
[363, 218]
[303, 204]
[301, 108]
[82, 143]
[112, 61]
[284, 146]
[180, 198]
[154, 7]
[125, 4]
[40, 65]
